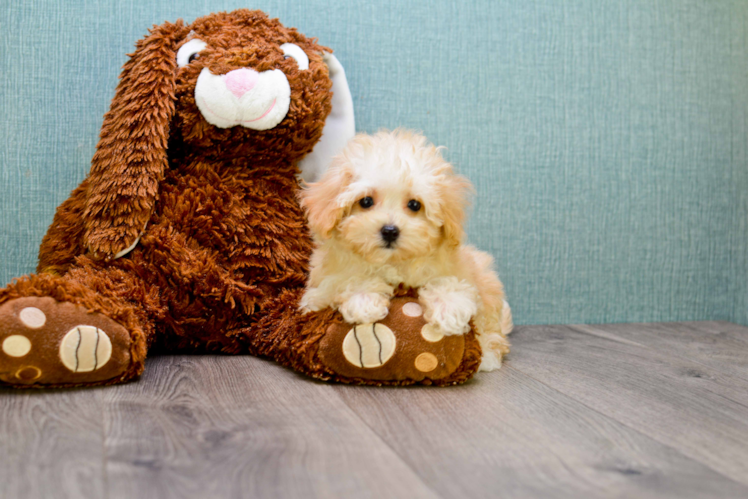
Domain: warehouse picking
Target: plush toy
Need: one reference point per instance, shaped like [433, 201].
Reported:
[187, 235]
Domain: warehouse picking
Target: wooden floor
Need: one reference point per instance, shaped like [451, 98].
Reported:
[656, 410]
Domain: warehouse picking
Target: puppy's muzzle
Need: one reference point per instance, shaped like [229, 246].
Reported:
[389, 234]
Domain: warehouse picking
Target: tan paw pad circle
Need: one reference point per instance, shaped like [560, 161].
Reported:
[28, 373]
[85, 349]
[431, 333]
[16, 346]
[369, 345]
[412, 309]
[426, 362]
[32, 317]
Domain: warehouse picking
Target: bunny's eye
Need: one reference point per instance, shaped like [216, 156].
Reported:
[292, 50]
[189, 52]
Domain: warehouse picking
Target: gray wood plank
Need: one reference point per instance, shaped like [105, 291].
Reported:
[720, 345]
[207, 426]
[508, 435]
[51, 444]
[614, 410]
[693, 408]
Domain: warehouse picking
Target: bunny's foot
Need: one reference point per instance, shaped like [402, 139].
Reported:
[45, 343]
[401, 349]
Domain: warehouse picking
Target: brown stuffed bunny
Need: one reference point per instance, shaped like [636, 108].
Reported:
[187, 234]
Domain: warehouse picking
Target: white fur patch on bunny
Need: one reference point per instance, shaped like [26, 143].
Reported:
[340, 126]
[261, 107]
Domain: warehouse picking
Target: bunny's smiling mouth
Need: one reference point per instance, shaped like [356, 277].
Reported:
[264, 114]
[222, 118]
[258, 101]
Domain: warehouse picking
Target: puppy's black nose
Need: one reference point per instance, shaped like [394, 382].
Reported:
[390, 233]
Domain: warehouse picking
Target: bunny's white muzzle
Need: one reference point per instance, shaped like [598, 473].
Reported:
[243, 97]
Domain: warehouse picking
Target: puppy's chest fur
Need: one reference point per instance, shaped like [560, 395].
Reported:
[332, 260]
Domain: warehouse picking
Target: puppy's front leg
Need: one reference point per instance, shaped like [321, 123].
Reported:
[314, 299]
[366, 301]
[449, 304]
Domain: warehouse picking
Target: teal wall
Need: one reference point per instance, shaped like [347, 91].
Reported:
[607, 139]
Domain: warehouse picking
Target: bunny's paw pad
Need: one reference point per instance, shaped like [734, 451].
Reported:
[45, 342]
[402, 347]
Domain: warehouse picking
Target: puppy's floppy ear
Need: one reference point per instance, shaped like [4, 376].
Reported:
[131, 154]
[454, 199]
[340, 125]
[320, 199]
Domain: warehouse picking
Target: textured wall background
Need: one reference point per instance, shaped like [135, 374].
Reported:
[607, 139]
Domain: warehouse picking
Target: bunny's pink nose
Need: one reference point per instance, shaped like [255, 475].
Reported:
[241, 81]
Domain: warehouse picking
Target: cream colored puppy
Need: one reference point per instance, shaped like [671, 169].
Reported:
[390, 211]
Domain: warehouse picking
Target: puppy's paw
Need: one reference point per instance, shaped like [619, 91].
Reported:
[450, 317]
[313, 300]
[494, 347]
[490, 361]
[361, 308]
[449, 305]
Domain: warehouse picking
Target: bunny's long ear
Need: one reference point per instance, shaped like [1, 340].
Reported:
[340, 126]
[131, 154]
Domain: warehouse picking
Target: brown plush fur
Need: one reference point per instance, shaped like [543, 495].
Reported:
[224, 242]
[224, 230]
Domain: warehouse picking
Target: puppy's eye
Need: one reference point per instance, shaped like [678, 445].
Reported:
[366, 202]
[189, 52]
[293, 50]
[414, 205]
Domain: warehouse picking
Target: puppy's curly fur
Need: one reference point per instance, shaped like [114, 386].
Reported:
[390, 212]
